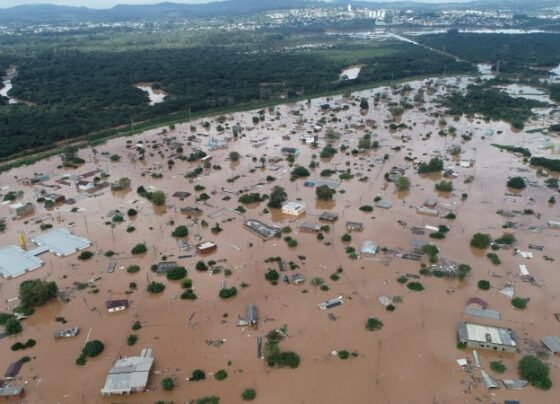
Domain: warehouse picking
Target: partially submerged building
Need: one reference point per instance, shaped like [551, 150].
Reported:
[67, 333]
[354, 226]
[165, 266]
[22, 209]
[329, 304]
[368, 249]
[129, 375]
[328, 217]
[260, 229]
[114, 306]
[293, 208]
[487, 337]
[309, 227]
[207, 247]
[15, 262]
[61, 242]
[11, 393]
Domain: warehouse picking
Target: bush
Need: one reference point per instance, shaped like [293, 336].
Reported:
[189, 295]
[136, 326]
[300, 172]
[176, 274]
[343, 354]
[481, 241]
[346, 238]
[155, 287]
[93, 348]
[498, 366]
[85, 255]
[220, 375]
[282, 359]
[402, 184]
[36, 292]
[415, 286]
[373, 324]
[132, 212]
[324, 193]
[248, 395]
[132, 269]
[139, 249]
[444, 186]
[132, 339]
[197, 374]
[227, 293]
[435, 165]
[18, 346]
[516, 183]
[519, 303]
[483, 284]
[167, 384]
[493, 258]
[180, 231]
[507, 239]
[535, 372]
[366, 208]
[201, 266]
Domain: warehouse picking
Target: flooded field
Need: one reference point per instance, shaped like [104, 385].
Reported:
[411, 359]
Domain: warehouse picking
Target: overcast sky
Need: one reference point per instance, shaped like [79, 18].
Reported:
[111, 3]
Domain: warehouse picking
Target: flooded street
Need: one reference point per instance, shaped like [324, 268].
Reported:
[412, 359]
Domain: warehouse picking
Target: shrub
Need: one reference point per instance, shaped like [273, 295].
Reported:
[498, 366]
[197, 375]
[132, 339]
[139, 249]
[132, 212]
[85, 255]
[248, 395]
[300, 172]
[516, 183]
[176, 274]
[325, 193]
[343, 354]
[481, 241]
[167, 384]
[483, 284]
[535, 372]
[366, 208]
[17, 346]
[93, 348]
[136, 326]
[373, 324]
[493, 258]
[519, 303]
[415, 286]
[402, 184]
[507, 239]
[180, 231]
[220, 375]
[201, 266]
[155, 287]
[132, 269]
[346, 238]
[444, 186]
[227, 293]
[189, 295]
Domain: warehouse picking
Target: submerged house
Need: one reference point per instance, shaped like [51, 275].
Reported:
[114, 306]
[22, 209]
[487, 337]
[206, 247]
[129, 375]
[293, 208]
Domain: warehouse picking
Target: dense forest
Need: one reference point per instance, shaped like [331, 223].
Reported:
[79, 92]
[519, 53]
[492, 103]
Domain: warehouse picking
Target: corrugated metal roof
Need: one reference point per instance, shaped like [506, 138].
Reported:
[478, 312]
[552, 342]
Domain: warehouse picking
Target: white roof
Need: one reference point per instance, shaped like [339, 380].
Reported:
[128, 374]
[15, 262]
[61, 242]
[206, 244]
[293, 206]
[479, 333]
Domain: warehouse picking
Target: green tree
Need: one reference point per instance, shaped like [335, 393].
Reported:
[167, 384]
[139, 249]
[180, 231]
[234, 156]
[325, 193]
[220, 375]
[36, 292]
[481, 241]
[157, 198]
[12, 326]
[300, 172]
[373, 324]
[516, 183]
[93, 348]
[535, 372]
[364, 104]
[277, 197]
[155, 287]
[248, 395]
[402, 184]
[176, 274]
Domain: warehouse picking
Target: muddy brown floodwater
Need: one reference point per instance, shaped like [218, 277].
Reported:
[412, 359]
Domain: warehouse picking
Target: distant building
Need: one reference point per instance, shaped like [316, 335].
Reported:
[328, 217]
[354, 226]
[260, 229]
[368, 249]
[206, 247]
[289, 151]
[129, 375]
[67, 333]
[293, 208]
[116, 305]
[22, 209]
[487, 337]
[165, 266]
[424, 210]
[309, 227]
[297, 278]
[11, 393]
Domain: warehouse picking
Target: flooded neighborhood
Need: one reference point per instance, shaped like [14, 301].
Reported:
[343, 230]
